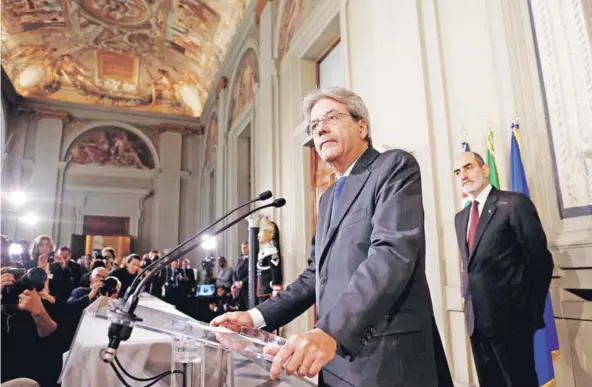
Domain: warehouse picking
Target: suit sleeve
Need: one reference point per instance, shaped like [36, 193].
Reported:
[294, 300]
[79, 298]
[396, 245]
[531, 236]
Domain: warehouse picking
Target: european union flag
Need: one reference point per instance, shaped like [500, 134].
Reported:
[546, 344]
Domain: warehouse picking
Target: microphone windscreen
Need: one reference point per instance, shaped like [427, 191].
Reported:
[279, 202]
[265, 195]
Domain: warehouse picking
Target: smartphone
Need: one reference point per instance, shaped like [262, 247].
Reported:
[51, 256]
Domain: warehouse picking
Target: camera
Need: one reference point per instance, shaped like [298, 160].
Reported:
[51, 257]
[24, 280]
[109, 286]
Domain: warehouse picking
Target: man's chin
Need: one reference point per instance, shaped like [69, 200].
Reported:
[329, 156]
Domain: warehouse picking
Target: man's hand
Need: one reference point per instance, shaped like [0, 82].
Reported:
[234, 321]
[304, 354]
[212, 307]
[238, 284]
[42, 261]
[60, 260]
[30, 300]
[95, 289]
[47, 297]
[7, 278]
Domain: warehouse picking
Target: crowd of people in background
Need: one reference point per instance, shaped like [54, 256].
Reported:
[45, 291]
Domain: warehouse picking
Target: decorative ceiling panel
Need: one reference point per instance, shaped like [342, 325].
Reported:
[149, 55]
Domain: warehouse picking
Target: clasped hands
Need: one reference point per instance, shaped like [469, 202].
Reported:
[303, 354]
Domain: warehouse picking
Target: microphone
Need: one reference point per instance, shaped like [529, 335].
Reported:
[262, 196]
[123, 318]
[276, 203]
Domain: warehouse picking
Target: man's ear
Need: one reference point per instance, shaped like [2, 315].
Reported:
[363, 129]
[485, 168]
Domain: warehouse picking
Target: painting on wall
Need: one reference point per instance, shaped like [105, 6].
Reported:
[112, 147]
[291, 17]
[156, 56]
[566, 94]
[245, 85]
[211, 141]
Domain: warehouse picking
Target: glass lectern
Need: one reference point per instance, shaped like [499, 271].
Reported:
[168, 348]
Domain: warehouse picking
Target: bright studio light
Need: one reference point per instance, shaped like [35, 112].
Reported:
[17, 198]
[29, 219]
[15, 249]
[209, 242]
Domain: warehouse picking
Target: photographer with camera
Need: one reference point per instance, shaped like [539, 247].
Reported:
[31, 340]
[128, 273]
[101, 285]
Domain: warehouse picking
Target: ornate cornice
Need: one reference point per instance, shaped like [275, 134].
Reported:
[53, 115]
[183, 130]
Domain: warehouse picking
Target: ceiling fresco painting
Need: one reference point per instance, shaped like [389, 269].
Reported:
[290, 21]
[245, 85]
[211, 141]
[150, 55]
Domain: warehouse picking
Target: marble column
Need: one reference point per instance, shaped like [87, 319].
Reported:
[168, 188]
[43, 185]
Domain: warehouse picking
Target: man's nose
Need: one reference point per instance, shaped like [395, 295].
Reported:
[322, 128]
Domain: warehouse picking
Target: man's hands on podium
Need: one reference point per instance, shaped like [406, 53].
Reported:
[234, 321]
[304, 355]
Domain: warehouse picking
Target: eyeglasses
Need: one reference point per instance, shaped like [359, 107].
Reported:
[332, 118]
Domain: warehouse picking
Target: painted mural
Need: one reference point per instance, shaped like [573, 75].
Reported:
[211, 141]
[113, 147]
[291, 16]
[245, 85]
[157, 56]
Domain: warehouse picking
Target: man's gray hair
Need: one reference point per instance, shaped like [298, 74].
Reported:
[354, 104]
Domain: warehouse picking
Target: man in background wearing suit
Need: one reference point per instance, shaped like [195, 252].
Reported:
[366, 269]
[241, 274]
[506, 270]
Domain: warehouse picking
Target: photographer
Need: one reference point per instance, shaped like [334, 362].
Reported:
[127, 274]
[96, 262]
[30, 343]
[83, 296]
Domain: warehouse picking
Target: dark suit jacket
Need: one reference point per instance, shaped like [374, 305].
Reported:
[241, 272]
[76, 271]
[510, 266]
[79, 297]
[367, 275]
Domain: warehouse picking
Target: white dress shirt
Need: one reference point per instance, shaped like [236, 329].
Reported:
[481, 199]
[258, 320]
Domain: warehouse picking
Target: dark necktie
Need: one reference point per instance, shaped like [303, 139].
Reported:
[468, 302]
[337, 194]
[474, 223]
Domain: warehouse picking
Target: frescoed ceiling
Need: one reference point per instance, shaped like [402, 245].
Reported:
[149, 55]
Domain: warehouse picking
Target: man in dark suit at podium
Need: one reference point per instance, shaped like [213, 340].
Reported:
[366, 268]
[506, 272]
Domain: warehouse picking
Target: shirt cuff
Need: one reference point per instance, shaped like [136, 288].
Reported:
[258, 320]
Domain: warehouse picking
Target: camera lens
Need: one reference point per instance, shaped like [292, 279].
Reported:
[35, 279]
[109, 286]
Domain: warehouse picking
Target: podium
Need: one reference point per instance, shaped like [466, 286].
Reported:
[168, 348]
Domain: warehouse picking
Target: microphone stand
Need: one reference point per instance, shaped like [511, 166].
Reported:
[123, 317]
